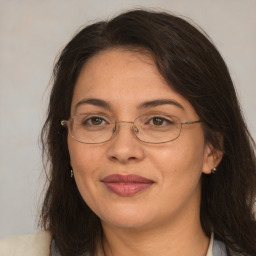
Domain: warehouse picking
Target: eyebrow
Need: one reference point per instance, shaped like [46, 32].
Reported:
[159, 102]
[94, 102]
[144, 105]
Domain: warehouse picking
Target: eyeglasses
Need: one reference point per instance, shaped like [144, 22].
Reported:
[95, 128]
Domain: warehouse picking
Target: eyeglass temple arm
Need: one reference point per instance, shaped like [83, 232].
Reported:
[192, 122]
[64, 122]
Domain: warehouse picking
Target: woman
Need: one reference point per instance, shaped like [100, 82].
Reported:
[147, 148]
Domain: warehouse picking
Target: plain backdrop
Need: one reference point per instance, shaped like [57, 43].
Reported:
[32, 33]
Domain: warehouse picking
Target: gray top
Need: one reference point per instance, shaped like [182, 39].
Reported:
[219, 248]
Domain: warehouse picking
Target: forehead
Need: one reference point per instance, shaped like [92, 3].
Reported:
[119, 69]
[124, 78]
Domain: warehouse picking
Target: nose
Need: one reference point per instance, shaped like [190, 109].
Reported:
[124, 147]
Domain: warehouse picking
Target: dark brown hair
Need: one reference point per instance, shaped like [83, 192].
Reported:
[193, 67]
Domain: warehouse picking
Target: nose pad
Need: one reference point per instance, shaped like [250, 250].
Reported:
[116, 128]
[135, 129]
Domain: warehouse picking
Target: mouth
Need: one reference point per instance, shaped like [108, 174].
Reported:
[126, 185]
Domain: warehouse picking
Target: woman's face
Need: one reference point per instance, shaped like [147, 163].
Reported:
[126, 182]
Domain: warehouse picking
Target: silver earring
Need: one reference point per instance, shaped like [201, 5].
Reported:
[71, 173]
[214, 169]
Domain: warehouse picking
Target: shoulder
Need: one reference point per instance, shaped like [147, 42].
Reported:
[37, 244]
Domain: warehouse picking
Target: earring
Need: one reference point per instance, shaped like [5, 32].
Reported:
[214, 169]
[71, 173]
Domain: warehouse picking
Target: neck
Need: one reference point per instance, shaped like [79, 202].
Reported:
[186, 239]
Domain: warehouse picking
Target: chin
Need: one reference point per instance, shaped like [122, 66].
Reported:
[127, 219]
[127, 224]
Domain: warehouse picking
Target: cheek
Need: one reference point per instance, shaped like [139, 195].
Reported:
[83, 158]
[180, 164]
[85, 162]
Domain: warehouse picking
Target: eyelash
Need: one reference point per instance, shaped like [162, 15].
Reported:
[163, 119]
[90, 118]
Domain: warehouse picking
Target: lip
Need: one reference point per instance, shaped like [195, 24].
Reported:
[126, 185]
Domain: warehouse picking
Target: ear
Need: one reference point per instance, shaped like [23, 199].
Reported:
[212, 158]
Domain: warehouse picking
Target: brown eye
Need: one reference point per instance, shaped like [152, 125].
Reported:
[93, 121]
[96, 120]
[158, 121]
[161, 121]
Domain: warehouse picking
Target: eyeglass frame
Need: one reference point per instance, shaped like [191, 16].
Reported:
[66, 123]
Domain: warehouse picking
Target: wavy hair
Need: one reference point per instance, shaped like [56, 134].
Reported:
[193, 67]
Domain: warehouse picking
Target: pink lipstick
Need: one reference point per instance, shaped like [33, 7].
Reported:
[126, 185]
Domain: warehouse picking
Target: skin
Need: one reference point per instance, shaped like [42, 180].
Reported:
[164, 218]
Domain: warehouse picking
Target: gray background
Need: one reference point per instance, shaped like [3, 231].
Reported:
[32, 33]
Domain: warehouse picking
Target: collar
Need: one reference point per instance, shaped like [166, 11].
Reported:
[210, 248]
